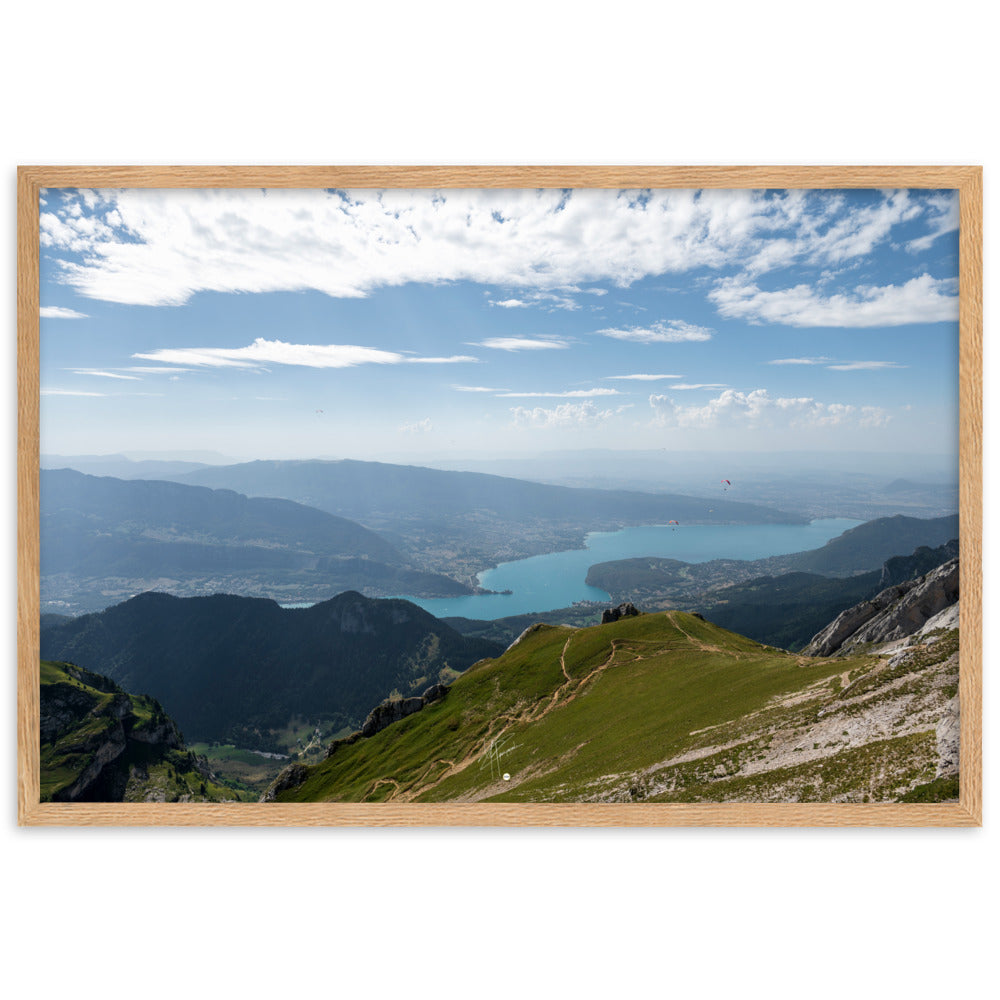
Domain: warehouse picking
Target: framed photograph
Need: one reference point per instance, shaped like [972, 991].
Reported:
[504, 496]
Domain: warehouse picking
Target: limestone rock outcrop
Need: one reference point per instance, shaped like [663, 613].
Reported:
[290, 777]
[391, 711]
[894, 613]
[626, 610]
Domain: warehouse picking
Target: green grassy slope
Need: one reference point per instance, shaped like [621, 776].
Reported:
[663, 706]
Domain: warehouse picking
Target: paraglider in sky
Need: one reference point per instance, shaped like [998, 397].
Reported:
[726, 487]
[673, 523]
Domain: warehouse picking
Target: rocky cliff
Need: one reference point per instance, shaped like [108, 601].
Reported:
[624, 610]
[899, 569]
[101, 744]
[385, 714]
[393, 709]
[894, 613]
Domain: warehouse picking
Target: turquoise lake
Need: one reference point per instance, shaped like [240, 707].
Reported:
[544, 583]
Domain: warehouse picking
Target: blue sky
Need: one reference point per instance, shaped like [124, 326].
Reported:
[296, 324]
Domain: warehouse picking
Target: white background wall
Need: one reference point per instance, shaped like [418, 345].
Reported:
[687, 913]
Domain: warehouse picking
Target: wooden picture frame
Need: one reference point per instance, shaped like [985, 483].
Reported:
[967, 180]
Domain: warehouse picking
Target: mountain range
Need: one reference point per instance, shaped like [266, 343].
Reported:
[251, 673]
[104, 538]
[462, 522]
[242, 670]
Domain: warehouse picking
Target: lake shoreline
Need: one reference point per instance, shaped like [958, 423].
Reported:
[550, 581]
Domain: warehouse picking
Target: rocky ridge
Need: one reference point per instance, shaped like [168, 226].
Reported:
[898, 611]
[385, 714]
[625, 610]
[101, 744]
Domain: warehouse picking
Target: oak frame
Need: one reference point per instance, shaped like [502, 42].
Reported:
[967, 812]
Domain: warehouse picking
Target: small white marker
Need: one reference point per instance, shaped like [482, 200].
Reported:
[506, 777]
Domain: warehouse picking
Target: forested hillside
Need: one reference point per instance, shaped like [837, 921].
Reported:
[238, 669]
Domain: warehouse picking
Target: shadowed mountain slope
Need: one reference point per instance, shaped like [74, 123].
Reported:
[235, 668]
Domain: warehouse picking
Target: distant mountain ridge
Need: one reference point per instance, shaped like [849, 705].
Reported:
[233, 668]
[103, 537]
[462, 522]
[161, 509]
[120, 466]
[377, 491]
[868, 545]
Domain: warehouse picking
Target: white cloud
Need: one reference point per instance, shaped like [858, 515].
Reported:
[263, 352]
[920, 300]
[547, 300]
[68, 392]
[419, 427]
[946, 221]
[477, 388]
[874, 416]
[864, 366]
[823, 233]
[92, 371]
[698, 385]
[570, 394]
[800, 361]
[58, 312]
[163, 370]
[522, 344]
[564, 415]
[671, 331]
[758, 408]
[451, 360]
[841, 366]
[642, 378]
[159, 247]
